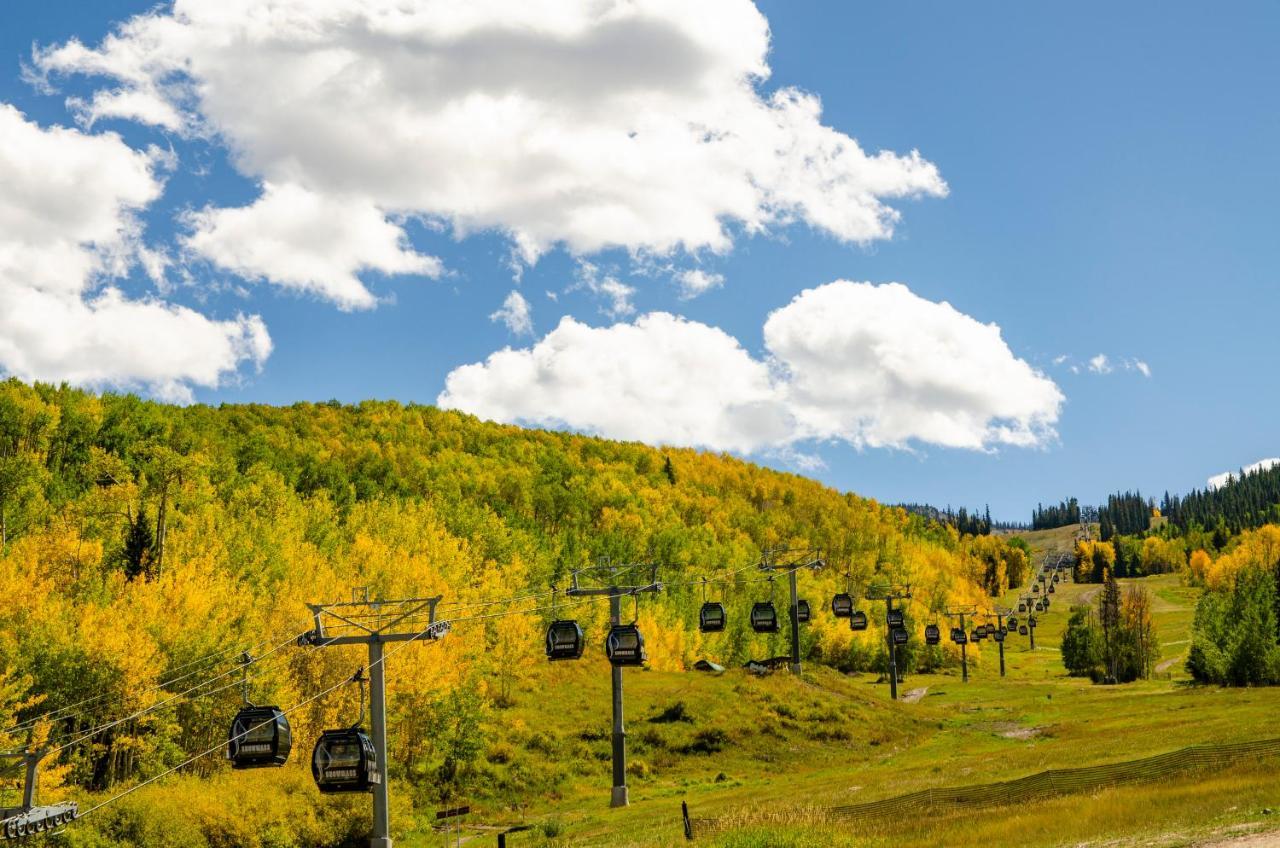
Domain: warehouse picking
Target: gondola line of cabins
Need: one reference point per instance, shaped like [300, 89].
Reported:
[344, 759]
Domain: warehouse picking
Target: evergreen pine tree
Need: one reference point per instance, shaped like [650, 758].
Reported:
[138, 544]
[1109, 615]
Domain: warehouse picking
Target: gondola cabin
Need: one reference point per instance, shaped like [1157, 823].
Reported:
[977, 635]
[1057, 578]
[1052, 589]
[764, 617]
[1035, 587]
[900, 635]
[895, 618]
[858, 621]
[802, 611]
[564, 640]
[624, 645]
[842, 605]
[1031, 621]
[1022, 631]
[711, 617]
[345, 761]
[1022, 607]
[998, 635]
[1046, 603]
[1013, 622]
[960, 637]
[259, 738]
[932, 635]
[1039, 607]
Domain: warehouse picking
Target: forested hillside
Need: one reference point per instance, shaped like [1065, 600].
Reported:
[141, 539]
[1248, 500]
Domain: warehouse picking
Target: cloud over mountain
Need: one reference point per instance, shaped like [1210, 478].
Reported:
[68, 232]
[874, 366]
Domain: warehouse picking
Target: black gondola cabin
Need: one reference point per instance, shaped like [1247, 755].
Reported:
[764, 617]
[858, 621]
[802, 610]
[564, 640]
[1022, 631]
[932, 635]
[900, 635]
[842, 605]
[711, 617]
[345, 761]
[624, 645]
[260, 737]
[895, 618]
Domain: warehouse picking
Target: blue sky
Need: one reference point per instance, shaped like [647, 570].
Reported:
[1110, 172]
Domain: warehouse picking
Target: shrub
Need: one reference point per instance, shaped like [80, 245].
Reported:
[709, 741]
[675, 712]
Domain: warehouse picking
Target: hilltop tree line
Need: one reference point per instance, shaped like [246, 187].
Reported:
[976, 523]
[1247, 501]
[1125, 514]
[1049, 517]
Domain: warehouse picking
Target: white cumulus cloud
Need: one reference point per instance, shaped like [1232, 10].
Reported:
[68, 202]
[661, 380]
[516, 314]
[311, 242]
[1217, 481]
[881, 366]
[639, 124]
[870, 365]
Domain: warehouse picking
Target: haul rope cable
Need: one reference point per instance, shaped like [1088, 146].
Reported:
[89, 734]
[138, 714]
[293, 709]
[209, 751]
[57, 714]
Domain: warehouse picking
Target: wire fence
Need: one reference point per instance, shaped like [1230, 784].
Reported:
[1042, 785]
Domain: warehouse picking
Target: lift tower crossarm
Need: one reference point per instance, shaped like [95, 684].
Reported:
[374, 623]
[790, 561]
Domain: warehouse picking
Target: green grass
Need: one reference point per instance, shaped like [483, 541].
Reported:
[783, 744]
